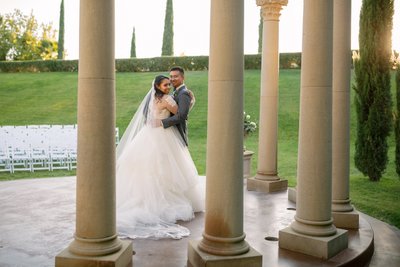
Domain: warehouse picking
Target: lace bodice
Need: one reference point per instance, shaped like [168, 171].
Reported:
[160, 110]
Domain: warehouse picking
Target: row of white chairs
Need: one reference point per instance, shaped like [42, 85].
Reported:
[34, 159]
[39, 147]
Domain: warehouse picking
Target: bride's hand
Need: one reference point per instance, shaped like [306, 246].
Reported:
[192, 100]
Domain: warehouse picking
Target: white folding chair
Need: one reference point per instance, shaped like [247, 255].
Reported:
[21, 159]
[58, 158]
[5, 159]
[72, 158]
[40, 159]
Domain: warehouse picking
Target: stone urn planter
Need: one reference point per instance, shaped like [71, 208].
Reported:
[247, 154]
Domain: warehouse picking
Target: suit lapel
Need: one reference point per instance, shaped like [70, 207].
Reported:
[177, 92]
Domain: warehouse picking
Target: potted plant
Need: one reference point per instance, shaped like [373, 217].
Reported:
[249, 127]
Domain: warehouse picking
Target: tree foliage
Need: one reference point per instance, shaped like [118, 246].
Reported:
[372, 86]
[260, 33]
[397, 123]
[133, 44]
[22, 38]
[168, 36]
[61, 33]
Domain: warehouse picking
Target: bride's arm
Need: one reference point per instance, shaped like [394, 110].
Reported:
[170, 104]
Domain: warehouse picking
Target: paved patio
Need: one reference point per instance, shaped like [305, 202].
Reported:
[38, 220]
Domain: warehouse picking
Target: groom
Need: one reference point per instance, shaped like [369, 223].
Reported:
[183, 98]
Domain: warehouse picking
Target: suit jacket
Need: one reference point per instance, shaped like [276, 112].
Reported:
[182, 98]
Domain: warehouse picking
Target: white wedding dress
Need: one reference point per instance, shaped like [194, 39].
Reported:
[157, 182]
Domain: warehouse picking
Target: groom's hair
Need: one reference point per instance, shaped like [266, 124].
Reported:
[177, 68]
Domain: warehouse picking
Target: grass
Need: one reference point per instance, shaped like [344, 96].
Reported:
[50, 98]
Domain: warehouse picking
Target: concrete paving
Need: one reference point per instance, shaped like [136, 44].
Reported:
[38, 221]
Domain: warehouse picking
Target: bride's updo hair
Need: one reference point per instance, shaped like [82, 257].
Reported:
[157, 81]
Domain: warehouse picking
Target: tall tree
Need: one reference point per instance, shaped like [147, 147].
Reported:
[168, 37]
[61, 33]
[133, 44]
[372, 86]
[5, 37]
[48, 46]
[397, 123]
[260, 32]
[21, 38]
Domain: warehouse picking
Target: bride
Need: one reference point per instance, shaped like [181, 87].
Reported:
[157, 182]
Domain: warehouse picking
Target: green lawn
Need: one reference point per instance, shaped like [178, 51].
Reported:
[50, 98]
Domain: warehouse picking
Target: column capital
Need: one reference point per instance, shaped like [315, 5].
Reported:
[271, 9]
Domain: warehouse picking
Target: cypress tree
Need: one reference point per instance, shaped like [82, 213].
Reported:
[397, 123]
[168, 37]
[372, 86]
[133, 44]
[260, 32]
[61, 33]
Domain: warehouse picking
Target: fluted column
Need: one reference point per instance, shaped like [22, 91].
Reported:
[96, 241]
[312, 231]
[223, 235]
[267, 179]
[342, 211]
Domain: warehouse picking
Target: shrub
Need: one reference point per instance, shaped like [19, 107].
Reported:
[156, 64]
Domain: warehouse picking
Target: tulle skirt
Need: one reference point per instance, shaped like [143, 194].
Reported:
[157, 185]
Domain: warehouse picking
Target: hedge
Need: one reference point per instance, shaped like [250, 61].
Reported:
[156, 64]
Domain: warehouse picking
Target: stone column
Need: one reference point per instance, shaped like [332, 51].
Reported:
[312, 232]
[223, 238]
[343, 214]
[267, 179]
[96, 241]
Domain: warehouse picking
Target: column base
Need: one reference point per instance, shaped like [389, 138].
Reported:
[198, 258]
[121, 258]
[320, 247]
[346, 220]
[292, 194]
[265, 186]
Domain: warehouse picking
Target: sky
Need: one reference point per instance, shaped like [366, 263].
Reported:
[191, 25]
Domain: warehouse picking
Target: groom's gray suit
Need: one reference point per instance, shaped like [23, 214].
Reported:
[182, 99]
